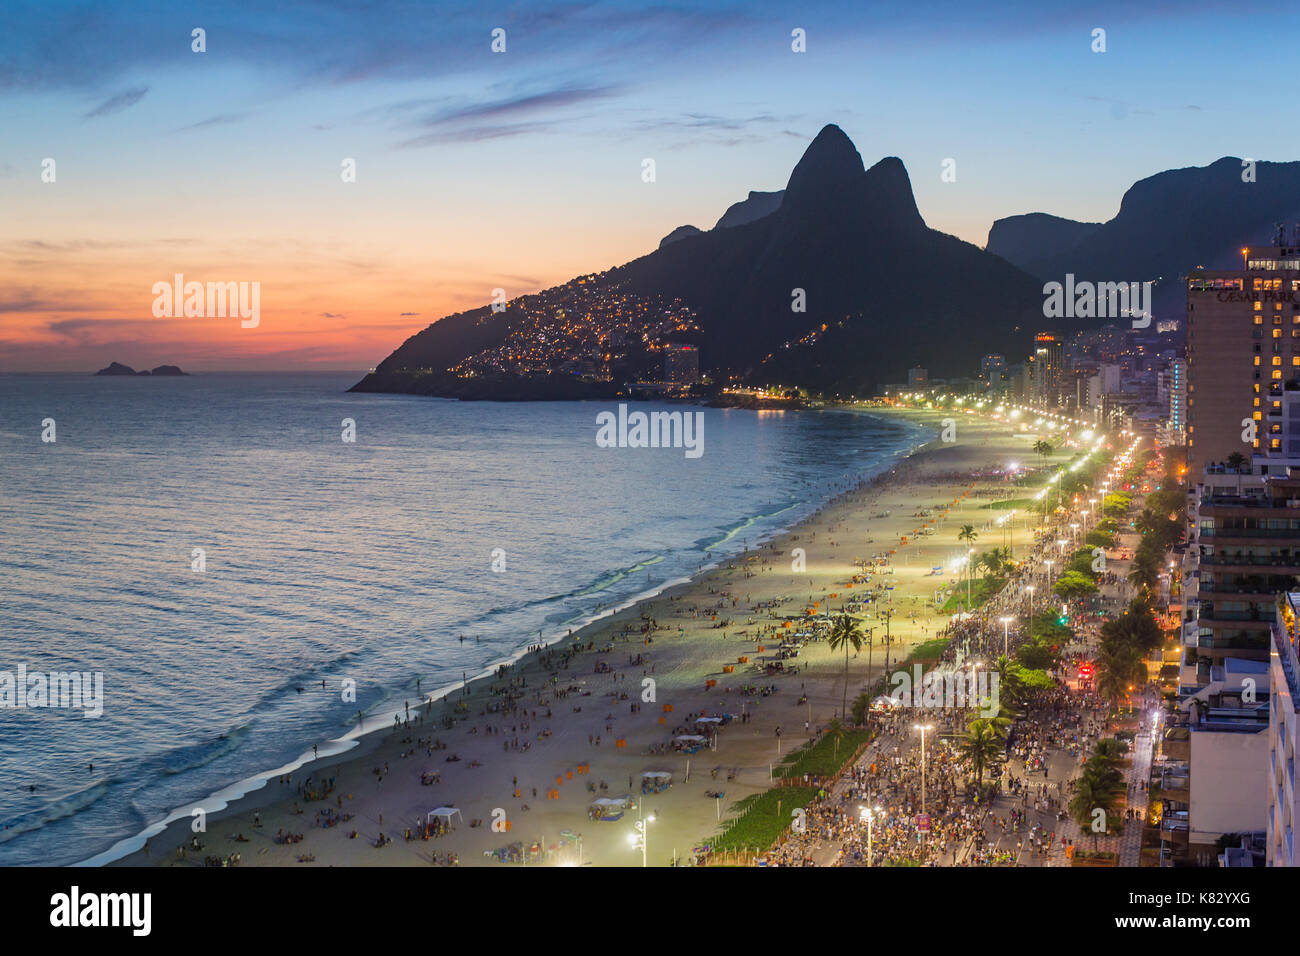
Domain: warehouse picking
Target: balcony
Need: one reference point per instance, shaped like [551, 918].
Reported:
[1243, 533]
[1259, 590]
[1255, 615]
[1282, 562]
[1175, 827]
[1178, 744]
[1239, 642]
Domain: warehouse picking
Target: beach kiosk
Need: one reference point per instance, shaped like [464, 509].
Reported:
[609, 809]
[690, 743]
[444, 815]
[656, 781]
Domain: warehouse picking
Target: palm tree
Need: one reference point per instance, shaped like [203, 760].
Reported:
[1236, 461]
[1044, 450]
[967, 534]
[1144, 571]
[1010, 687]
[836, 731]
[991, 562]
[1110, 749]
[1118, 669]
[845, 633]
[981, 745]
[1094, 790]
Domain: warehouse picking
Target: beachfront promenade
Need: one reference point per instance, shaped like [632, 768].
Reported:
[1026, 823]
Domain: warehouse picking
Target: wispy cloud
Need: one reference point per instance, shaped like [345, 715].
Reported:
[513, 115]
[118, 102]
[221, 119]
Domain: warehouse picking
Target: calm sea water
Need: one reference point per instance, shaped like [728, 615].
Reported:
[326, 560]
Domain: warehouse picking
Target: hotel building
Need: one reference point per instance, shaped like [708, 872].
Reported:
[1049, 363]
[1245, 548]
[681, 364]
[1243, 346]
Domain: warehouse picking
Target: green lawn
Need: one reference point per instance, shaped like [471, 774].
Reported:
[764, 817]
[929, 651]
[824, 758]
[981, 589]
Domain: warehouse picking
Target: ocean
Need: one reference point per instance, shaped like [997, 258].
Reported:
[215, 549]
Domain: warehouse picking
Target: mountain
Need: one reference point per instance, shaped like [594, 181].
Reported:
[1022, 240]
[681, 232]
[840, 288]
[756, 206]
[1167, 224]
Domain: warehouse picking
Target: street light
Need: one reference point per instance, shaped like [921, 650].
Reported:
[639, 839]
[868, 814]
[923, 728]
[1006, 638]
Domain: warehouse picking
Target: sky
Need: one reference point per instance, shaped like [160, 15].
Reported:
[478, 170]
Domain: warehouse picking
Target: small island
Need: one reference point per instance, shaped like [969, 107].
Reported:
[117, 368]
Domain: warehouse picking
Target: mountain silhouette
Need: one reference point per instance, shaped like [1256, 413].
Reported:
[755, 206]
[840, 288]
[1167, 224]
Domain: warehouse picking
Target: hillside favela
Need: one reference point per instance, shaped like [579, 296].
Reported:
[582, 436]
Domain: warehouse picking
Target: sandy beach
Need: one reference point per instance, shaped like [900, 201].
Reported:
[580, 720]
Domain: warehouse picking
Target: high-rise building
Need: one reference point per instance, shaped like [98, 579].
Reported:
[681, 364]
[1049, 361]
[1245, 548]
[1178, 401]
[992, 370]
[917, 377]
[1243, 346]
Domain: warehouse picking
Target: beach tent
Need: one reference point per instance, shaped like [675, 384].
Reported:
[608, 809]
[710, 720]
[656, 781]
[444, 813]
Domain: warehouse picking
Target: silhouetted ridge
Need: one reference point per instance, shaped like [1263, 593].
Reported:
[840, 289]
